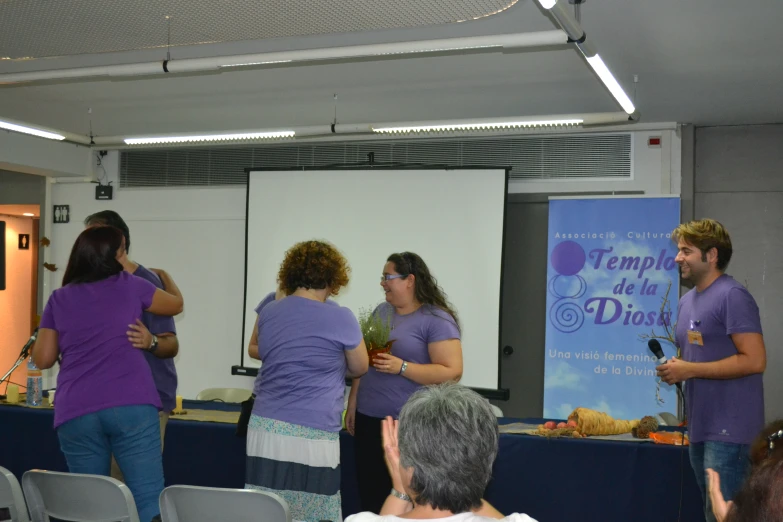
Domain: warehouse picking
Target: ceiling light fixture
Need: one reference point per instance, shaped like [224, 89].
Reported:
[458, 45]
[610, 82]
[477, 125]
[28, 214]
[249, 64]
[30, 130]
[245, 136]
[576, 35]
[527, 124]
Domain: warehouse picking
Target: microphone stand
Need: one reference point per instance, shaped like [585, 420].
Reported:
[22, 356]
[682, 403]
[14, 367]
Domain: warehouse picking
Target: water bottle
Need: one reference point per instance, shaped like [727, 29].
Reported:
[34, 384]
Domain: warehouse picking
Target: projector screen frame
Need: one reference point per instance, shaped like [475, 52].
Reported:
[499, 394]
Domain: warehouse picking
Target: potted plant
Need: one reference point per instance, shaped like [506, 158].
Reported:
[375, 330]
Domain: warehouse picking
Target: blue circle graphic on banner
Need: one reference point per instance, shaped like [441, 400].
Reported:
[566, 316]
[568, 258]
[567, 287]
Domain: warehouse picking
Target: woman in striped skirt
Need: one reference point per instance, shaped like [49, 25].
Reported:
[308, 345]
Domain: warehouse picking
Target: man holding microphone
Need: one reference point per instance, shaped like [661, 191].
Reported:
[723, 359]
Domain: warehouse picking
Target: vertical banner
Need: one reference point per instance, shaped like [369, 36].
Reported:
[611, 261]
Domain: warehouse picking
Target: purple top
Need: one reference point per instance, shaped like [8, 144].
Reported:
[382, 394]
[164, 373]
[270, 298]
[265, 301]
[99, 369]
[302, 345]
[724, 410]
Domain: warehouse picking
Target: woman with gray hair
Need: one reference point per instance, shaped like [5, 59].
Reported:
[439, 455]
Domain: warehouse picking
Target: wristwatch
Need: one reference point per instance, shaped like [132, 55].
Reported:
[401, 496]
[403, 367]
[154, 346]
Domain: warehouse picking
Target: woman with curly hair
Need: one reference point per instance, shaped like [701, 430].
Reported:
[308, 346]
[426, 350]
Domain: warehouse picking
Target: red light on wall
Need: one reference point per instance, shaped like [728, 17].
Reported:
[654, 141]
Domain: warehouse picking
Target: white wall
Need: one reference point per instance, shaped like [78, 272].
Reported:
[31, 155]
[738, 182]
[198, 236]
[210, 330]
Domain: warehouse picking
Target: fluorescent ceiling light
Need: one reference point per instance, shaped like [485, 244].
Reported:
[211, 137]
[477, 126]
[605, 74]
[450, 48]
[255, 63]
[28, 214]
[547, 4]
[30, 130]
[442, 49]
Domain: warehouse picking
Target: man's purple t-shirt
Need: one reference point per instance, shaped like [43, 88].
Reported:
[302, 344]
[163, 370]
[382, 394]
[724, 410]
[100, 368]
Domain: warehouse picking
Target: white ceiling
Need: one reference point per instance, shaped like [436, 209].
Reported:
[706, 62]
[42, 28]
[20, 210]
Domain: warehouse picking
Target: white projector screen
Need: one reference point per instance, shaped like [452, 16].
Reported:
[453, 219]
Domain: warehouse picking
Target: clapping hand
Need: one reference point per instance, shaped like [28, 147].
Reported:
[720, 508]
[391, 452]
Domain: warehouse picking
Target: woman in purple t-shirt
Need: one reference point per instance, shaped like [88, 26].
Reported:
[308, 345]
[426, 350]
[106, 399]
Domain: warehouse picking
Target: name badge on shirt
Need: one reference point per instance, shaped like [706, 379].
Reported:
[694, 336]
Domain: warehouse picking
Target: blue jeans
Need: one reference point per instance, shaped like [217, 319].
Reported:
[731, 461]
[132, 434]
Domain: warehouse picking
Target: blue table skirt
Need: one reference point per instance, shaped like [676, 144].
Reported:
[549, 479]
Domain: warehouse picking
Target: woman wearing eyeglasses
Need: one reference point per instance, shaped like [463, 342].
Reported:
[426, 350]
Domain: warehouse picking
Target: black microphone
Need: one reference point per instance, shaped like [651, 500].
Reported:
[655, 348]
[30, 342]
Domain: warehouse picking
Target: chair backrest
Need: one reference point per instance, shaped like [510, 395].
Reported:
[225, 394]
[199, 504]
[11, 497]
[667, 419]
[74, 496]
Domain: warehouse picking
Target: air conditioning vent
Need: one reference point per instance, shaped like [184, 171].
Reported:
[531, 158]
